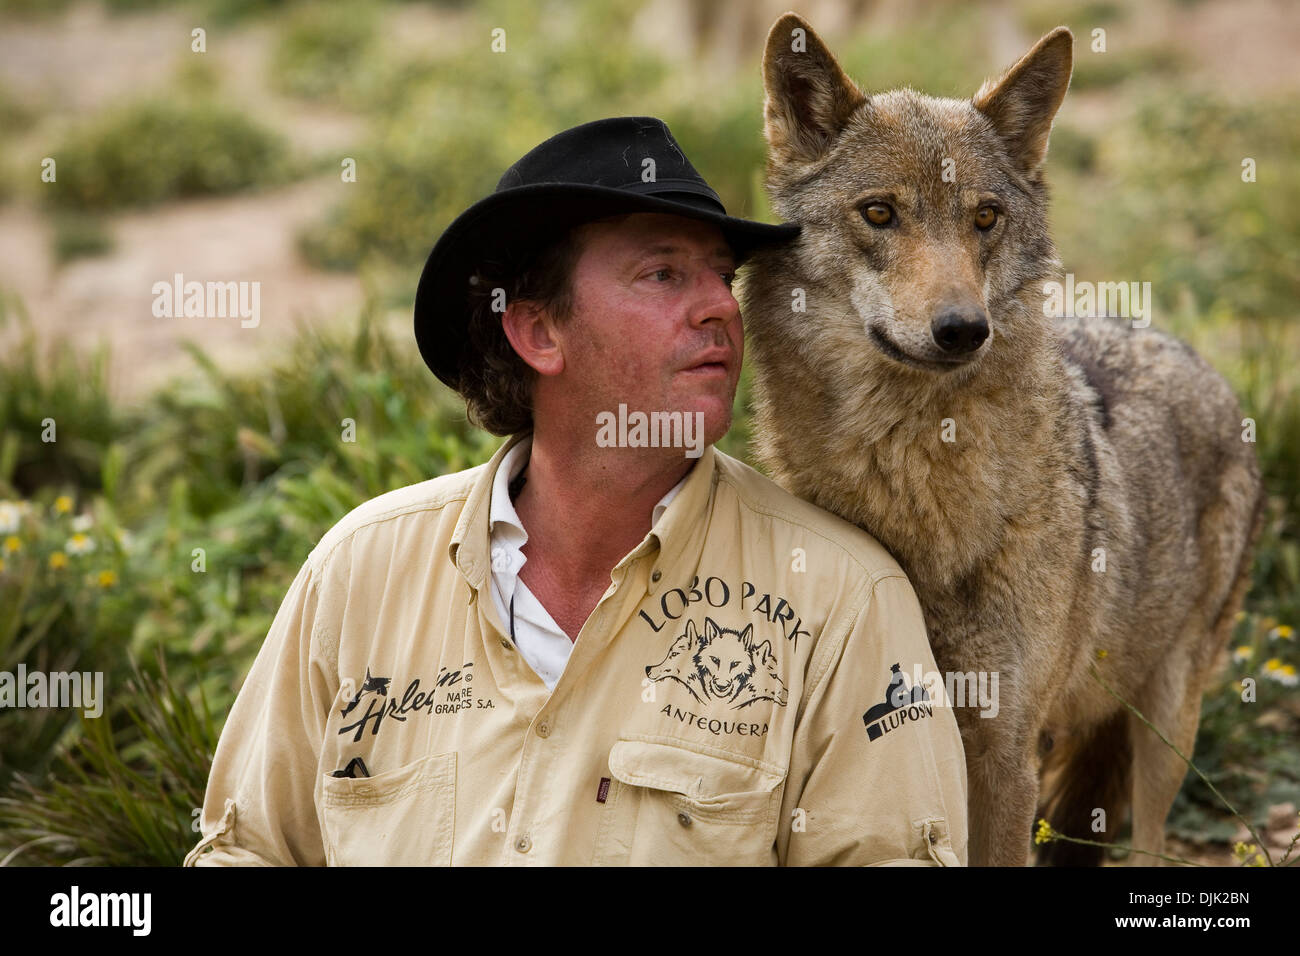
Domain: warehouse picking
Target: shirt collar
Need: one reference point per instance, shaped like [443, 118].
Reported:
[678, 516]
[502, 510]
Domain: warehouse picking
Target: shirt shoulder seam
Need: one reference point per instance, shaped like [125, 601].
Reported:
[820, 663]
[319, 562]
[874, 571]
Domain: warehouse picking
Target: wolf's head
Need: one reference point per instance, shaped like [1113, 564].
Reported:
[724, 660]
[924, 235]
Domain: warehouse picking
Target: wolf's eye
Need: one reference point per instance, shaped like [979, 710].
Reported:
[878, 213]
[985, 217]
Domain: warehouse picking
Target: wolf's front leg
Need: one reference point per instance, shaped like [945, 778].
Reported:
[1001, 800]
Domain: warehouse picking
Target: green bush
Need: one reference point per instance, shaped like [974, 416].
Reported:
[447, 128]
[78, 237]
[226, 483]
[320, 48]
[156, 150]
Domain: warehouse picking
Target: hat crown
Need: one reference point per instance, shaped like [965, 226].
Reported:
[632, 153]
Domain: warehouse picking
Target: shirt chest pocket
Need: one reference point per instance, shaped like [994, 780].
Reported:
[404, 817]
[673, 806]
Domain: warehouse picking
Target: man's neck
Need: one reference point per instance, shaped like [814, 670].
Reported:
[584, 510]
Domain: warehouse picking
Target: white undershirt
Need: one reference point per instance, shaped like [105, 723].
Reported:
[541, 642]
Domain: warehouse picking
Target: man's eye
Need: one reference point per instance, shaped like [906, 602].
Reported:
[663, 275]
[728, 278]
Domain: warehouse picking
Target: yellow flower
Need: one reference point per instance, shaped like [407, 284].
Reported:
[1287, 675]
[1243, 653]
[62, 504]
[1101, 654]
[1045, 833]
[58, 560]
[13, 544]
[1285, 631]
[1247, 854]
[107, 579]
[1273, 664]
[80, 544]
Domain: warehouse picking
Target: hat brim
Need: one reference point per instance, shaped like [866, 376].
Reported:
[518, 220]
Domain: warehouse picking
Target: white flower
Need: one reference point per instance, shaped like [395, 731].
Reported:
[11, 517]
[1284, 674]
[83, 522]
[80, 544]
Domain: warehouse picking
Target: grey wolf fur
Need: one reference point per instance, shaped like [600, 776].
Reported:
[1074, 438]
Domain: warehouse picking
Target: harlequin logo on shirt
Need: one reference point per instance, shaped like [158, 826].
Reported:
[901, 704]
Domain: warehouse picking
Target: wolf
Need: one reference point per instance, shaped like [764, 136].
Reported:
[1072, 498]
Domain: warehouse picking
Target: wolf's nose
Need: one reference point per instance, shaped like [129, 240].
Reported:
[958, 331]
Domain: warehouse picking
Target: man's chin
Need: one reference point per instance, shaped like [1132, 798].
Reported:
[711, 418]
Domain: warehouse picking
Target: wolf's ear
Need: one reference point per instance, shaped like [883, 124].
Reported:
[1023, 101]
[809, 98]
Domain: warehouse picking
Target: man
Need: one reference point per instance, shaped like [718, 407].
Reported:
[604, 646]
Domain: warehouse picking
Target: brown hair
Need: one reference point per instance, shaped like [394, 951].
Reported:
[496, 383]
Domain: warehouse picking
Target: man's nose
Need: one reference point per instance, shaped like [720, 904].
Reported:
[960, 329]
[714, 300]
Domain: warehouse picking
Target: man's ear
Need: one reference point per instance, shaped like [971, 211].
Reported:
[809, 97]
[531, 332]
[1023, 101]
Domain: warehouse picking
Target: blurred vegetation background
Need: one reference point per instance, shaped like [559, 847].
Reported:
[197, 464]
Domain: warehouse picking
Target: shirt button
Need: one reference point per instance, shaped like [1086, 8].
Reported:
[684, 819]
[934, 838]
[523, 844]
[505, 643]
[543, 729]
[656, 576]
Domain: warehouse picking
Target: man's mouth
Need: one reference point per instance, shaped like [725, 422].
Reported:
[896, 352]
[708, 368]
[716, 361]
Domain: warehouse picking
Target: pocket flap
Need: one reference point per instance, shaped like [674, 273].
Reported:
[436, 771]
[679, 769]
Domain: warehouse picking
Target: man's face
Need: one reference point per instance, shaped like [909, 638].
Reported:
[655, 325]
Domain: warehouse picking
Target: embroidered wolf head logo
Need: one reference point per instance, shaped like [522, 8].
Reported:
[722, 664]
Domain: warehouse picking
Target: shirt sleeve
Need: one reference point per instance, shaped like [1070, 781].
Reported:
[259, 809]
[877, 772]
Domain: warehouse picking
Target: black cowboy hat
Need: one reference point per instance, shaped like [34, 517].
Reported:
[582, 174]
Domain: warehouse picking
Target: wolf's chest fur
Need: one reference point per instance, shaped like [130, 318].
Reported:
[979, 493]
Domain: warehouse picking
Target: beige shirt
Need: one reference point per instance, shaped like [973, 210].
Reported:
[540, 641]
[732, 699]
